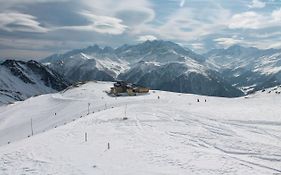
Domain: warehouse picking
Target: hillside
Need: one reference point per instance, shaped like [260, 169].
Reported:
[171, 135]
[20, 80]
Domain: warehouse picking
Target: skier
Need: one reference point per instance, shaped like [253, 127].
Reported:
[198, 100]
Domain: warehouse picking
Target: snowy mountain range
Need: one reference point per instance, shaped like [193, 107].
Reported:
[156, 64]
[162, 65]
[20, 80]
[249, 69]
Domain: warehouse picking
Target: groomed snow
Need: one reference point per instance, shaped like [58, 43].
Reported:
[171, 135]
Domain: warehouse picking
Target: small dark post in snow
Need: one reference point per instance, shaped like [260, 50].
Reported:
[86, 137]
[125, 117]
[89, 108]
[108, 146]
[31, 126]
[126, 110]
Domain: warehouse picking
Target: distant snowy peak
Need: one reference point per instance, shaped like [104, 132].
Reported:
[155, 64]
[238, 56]
[111, 62]
[247, 68]
[84, 65]
[20, 80]
[157, 50]
[268, 64]
[235, 50]
[252, 59]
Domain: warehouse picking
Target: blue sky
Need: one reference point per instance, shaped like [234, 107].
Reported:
[38, 28]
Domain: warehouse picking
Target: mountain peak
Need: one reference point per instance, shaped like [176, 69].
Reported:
[11, 63]
[108, 49]
[160, 43]
[94, 48]
[235, 47]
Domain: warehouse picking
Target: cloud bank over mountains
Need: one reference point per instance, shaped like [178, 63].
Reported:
[36, 28]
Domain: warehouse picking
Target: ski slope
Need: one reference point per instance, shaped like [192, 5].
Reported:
[171, 135]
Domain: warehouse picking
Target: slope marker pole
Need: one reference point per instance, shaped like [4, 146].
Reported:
[125, 113]
[31, 126]
[89, 108]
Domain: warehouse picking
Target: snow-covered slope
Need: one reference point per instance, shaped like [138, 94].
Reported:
[171, 135]
[20, 80]
[250, 69]
[142, 64]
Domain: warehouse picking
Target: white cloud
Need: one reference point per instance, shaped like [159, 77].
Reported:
[110, 17]
[111, 22]
[188, 24]
[100, 24]
[257, 4]
[105, 24]
[12, 3]
[197, 46]
[128, 8]
[182, 3]
[264, 35]
[253, 20]
[147, 38]
[276, 15]
[29, 1]
[226, 42]
[265, 43]
[273, 45]
[19, 22]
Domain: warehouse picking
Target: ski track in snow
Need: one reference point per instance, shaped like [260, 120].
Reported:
[173, 135]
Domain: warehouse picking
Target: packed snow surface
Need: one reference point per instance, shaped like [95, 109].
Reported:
[174, 134]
